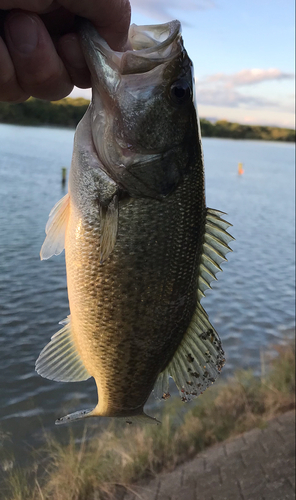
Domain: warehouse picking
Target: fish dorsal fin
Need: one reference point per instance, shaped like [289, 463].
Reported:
[55, 229]
[161, 388]
[60, 360]
[197, 361]
[200, 357]
[214, 249]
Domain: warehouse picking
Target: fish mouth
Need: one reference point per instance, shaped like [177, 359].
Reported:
[150, 46]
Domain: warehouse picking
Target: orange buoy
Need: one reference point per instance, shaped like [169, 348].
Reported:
[240, 169]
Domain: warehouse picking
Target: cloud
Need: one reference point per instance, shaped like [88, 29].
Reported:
[248, 77]
[220, 89]
[231, 98]
[161, 10]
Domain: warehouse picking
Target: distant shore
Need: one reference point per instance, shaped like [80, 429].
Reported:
[68, 112]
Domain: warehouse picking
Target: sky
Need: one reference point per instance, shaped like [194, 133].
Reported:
[243, 54]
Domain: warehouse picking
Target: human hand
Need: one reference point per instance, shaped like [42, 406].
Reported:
[40, 55]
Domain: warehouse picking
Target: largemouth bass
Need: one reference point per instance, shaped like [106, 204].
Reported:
[141, 247]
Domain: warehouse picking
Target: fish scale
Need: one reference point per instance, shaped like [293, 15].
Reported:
[146, 283]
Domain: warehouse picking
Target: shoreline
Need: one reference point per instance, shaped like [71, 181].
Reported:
[96, 464]
[68, 112]
[73, 128]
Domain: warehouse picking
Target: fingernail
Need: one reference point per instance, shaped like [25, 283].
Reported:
[23, 33]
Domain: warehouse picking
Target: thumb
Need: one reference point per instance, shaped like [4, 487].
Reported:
[110, 17]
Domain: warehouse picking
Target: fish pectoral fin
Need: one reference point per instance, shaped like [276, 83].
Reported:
[214, 249]
[85, 157]
[60, 360]
[55, 229]
[198, 360]
[109, 228]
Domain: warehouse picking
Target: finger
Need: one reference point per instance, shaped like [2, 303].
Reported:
[115, 28]
[40, 71]
[73, 59]
[110, 17]
[31, 5]
[9, 87]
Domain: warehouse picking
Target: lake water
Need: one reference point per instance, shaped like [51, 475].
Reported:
[251, 305]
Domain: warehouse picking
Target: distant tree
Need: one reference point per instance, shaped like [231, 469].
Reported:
[68, 112]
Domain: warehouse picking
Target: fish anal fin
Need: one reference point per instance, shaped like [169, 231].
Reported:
[55, 229]
[60, 360]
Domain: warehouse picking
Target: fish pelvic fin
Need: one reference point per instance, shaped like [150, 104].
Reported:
[140, 419]
[60, 359]
[55, 229]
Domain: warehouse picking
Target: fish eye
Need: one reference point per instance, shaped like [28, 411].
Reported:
[180, 91]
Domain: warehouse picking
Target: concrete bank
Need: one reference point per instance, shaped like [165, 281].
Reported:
[258, 465]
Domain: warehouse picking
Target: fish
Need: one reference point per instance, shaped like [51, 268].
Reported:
[141, 247]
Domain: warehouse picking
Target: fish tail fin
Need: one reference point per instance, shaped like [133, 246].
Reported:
[141, 418]
[77, 415]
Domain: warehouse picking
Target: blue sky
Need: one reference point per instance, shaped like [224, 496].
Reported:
[243, 54]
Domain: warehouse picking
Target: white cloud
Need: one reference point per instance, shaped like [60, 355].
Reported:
[248, 77]
[220, 89]
[229, 97]
[257, 116]
[162, 10]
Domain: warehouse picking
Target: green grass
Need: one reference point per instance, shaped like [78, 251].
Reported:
[104, 463]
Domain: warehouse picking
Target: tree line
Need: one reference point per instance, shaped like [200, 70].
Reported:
[68, 112]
